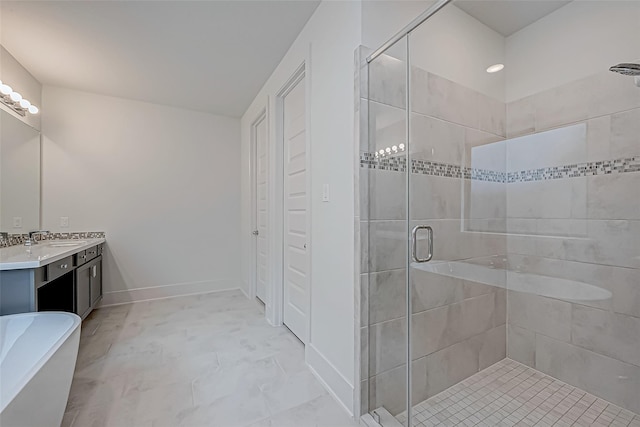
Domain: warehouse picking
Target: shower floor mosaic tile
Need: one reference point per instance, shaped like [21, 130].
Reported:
[511, 394]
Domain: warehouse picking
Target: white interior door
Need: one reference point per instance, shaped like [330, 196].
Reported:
[295, 212]
[261, 163]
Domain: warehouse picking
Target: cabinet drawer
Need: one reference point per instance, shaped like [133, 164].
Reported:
[81, 258]
[92, 253]
[58, 268]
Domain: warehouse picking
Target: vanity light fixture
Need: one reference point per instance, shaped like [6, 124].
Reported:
[15, 101]
[384, 152]
[495, 68]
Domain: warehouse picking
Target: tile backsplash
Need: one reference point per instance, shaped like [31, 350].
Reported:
[19, 239]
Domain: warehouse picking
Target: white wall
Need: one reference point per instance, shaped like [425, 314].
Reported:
[558, 48]
[328, 42]
[163, 183]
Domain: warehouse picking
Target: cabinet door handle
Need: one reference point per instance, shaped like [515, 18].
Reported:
[94, 270]
[63, 266]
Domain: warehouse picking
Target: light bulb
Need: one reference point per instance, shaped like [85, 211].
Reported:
[33, 109]
[395, 148]
[388, 150]
[5, 89]
[381, 152]
[24, 103]
[15, 97]
[401, 147]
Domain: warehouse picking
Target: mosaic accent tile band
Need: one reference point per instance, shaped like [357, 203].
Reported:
[19, 239]
[397, 163]
[511, 394]
[427, 167]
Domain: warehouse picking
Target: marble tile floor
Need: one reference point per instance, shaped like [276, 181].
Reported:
[511, 394]
[194, 361]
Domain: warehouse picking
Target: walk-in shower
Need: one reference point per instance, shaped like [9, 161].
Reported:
[500, 249]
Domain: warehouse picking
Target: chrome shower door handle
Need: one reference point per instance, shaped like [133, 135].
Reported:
[414, 243]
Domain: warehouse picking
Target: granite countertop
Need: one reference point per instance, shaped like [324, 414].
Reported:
[21, 257]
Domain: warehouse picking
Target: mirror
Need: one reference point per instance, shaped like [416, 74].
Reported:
[19, 175]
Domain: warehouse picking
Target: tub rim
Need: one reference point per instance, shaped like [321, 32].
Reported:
[33, 370]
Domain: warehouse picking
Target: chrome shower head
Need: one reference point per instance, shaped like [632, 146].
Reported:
[626, 69]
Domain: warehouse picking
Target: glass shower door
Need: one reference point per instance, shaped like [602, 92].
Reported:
[385, 227]
[456, 189]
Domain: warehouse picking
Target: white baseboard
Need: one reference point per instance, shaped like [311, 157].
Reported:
[167, 291]
[330, 377]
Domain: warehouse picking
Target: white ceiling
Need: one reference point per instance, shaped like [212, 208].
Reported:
[211, 56]
[508, 17]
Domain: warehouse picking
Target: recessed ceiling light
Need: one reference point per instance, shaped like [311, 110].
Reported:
[495, 68]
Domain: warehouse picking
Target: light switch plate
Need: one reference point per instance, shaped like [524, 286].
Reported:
[17, 222]
[64, 221]
[325, 192]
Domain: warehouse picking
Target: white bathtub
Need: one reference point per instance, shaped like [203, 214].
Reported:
[38, 354]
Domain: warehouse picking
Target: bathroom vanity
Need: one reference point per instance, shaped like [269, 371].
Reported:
[53, 275]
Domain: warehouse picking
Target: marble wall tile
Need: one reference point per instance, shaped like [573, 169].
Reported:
[419, 380]
[491, 155]
[419, 91]
[430, 290]
[363, 193]
[598, 139]
[364, 299]
[387, 295]
[553, 199]
[624, 283]
[388, 245]
[451, 243]
[521, 117]
[556, 147]
[452, 365]
[435, 197]
[614, 335]
[615, 196]
[485, 200]
[387, 126]
[388, 390]
[436, 140]
[562, 105]
[364, 352]
[444, 326]
[429, 332]
[492, 115]
[611, 93]
[387, 345]
[521, 345]
[365, 261]
[608, 378]
[363, 117]
[387, 80]
[540, 314]
[452, 102]
[612, 242]
[494, 347]
[625, 134]
[364, 397]
[388, 195]
[500, 307]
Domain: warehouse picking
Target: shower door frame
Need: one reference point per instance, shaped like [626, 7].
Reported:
[405, 33]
